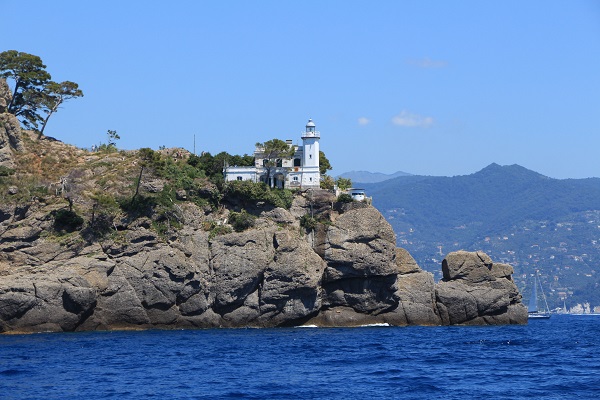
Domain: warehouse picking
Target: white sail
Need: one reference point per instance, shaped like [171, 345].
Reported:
[533, 311]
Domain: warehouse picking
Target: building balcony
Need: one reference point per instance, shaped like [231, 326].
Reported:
[315, 134]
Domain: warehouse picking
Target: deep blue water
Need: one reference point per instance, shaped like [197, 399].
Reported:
[554, 359]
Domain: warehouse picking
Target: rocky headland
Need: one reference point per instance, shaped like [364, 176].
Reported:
[138, 239]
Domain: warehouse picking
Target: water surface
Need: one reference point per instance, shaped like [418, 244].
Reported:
[552, 359]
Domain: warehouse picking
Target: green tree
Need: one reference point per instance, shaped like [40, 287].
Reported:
[241, 221]
[345, 198]
[324, 164]
[327, 182]
[53, 95]
[211, 165]
[30, 76]
[343, 183]
[272, 151]
[241, 161]
[112, 138]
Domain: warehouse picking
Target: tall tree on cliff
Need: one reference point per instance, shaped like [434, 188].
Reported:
[35, 97]
[274, 150]
[53, 95]
[29, 75]
[324, 164]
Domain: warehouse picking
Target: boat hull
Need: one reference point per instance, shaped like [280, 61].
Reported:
[538, 316]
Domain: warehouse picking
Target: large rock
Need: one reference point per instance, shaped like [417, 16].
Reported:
[238, 264]
[291, 290]
[476, 291]
[416, 294]
[472, 267]
[360, 250]
[60, 301]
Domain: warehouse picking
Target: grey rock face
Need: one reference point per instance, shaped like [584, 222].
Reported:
[5, 95]
[291, 289]
[477, 291]
[10, 139]
[346, 272]
[359, 249]
[416, 294]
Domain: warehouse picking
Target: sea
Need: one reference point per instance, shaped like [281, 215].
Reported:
[557, 358]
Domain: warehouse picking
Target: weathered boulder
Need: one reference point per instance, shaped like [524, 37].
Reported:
[279, 216]
[474, 291]
[58, 302]
[416, 294]
[405, 262]
[238, 263]
[473, 267]
[359, 249]
[291, 289]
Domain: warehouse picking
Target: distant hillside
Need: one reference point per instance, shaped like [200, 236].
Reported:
[514, 214]
[371, 177]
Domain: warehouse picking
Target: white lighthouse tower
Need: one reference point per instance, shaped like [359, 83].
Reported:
[310, 156]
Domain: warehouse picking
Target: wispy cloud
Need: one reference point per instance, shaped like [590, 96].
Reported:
[411, 120]
[363, 121]
[428, 63]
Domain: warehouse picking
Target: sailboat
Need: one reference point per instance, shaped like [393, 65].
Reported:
[533, 311]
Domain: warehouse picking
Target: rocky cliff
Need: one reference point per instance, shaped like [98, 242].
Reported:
[270, 275]
[72, 258]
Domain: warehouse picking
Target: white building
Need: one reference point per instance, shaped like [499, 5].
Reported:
[357, 194]
[301, 170]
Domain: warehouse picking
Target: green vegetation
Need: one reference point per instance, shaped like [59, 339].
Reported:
[212, 166]
[324, 164]
[251, 193]
[66, 221]
[345, 198]
[327, 182]
[241, 221]
[273, 151]
[104, 212]
[5, 171]
[53, 96]
[343, 183]
[35, 97]
[216, 230]
[309, 222]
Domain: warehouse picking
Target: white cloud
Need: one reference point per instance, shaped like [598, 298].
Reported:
[411, 120]
[428, 63]
[363, 121]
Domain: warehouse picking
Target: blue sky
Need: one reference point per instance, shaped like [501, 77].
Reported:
[426, 87]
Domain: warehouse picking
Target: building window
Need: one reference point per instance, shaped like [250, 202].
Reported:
[310, 156]
[310, 179]
[296, 178]
[239, 178]
[297, 162]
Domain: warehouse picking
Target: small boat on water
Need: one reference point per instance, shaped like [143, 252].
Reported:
[533, 310]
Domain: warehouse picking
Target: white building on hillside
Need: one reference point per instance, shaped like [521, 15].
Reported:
[301, 170]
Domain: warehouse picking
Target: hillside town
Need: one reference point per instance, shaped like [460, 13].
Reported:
[564, 252]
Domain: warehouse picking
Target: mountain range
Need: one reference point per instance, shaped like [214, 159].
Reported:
[371, 177]
[516, 215]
